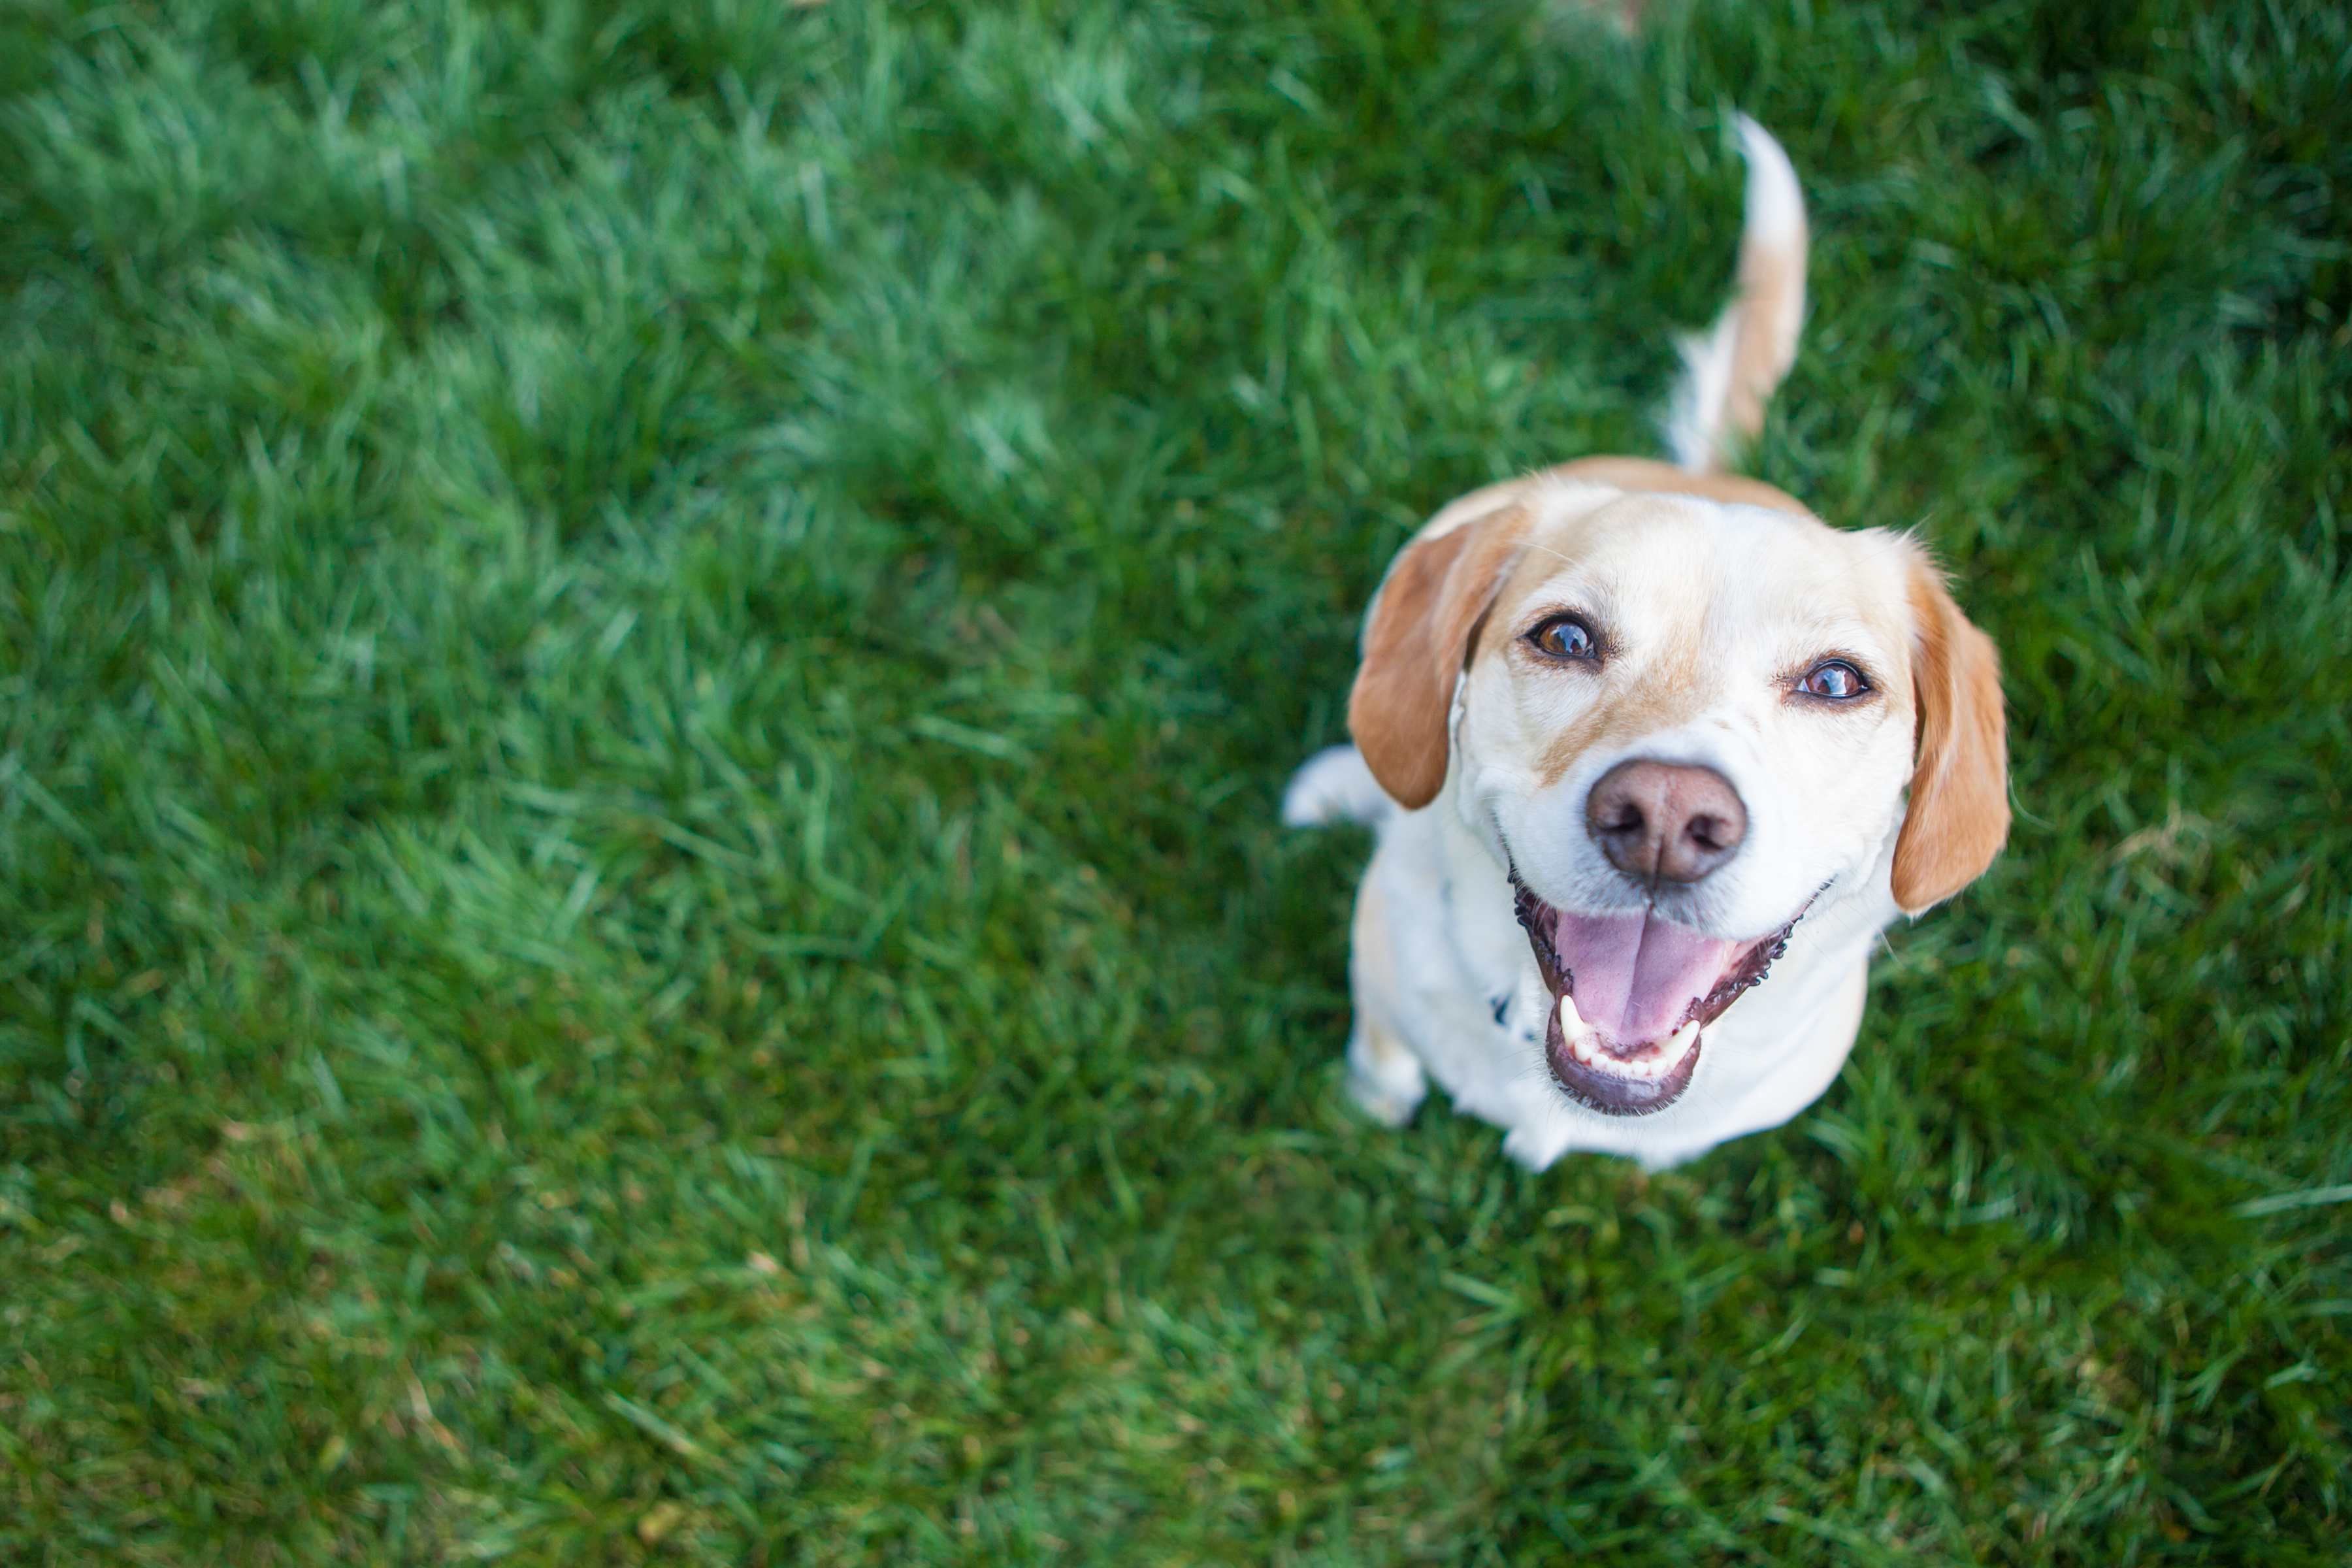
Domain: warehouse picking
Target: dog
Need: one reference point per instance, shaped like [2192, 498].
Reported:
[1654, 755]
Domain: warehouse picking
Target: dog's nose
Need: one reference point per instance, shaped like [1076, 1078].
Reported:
[1666, 822]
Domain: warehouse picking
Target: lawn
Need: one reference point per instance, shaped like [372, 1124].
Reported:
[645, 654]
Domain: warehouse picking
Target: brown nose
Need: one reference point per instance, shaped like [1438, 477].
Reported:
[1663, 822]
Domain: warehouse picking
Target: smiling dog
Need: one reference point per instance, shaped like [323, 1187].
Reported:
[1654, 755]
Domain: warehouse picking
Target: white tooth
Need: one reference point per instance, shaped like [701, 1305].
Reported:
[1585, 1045]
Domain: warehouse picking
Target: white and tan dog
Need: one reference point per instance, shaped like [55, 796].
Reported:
[1654, 756]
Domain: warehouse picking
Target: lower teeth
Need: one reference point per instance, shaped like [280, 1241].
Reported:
[1585, 1045]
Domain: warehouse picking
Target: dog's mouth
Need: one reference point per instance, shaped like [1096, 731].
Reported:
[1630, 995]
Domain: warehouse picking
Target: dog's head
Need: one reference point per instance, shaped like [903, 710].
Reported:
[1677, 723]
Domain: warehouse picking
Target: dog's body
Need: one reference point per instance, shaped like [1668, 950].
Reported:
[1637, 741]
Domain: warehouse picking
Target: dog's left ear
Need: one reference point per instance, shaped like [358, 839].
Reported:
[1417, 640]
[1958, 815]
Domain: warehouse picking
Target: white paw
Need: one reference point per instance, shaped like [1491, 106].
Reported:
[1389, 1103]
[1533, 1148]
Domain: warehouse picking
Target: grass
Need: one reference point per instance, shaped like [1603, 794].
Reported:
[645, 651]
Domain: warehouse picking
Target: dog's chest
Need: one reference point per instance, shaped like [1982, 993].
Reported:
[1520, 1007]
[1475, 970]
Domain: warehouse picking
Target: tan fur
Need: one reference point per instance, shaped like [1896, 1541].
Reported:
[1665, 479]
[1958, 813]
[1673, 694]
[1673, 684]
[1767, 345]
[1416, 645]
[1636, 475]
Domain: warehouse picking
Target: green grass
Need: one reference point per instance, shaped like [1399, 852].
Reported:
[645, 651]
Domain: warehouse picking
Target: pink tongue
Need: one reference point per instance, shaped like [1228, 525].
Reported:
[1636, 975]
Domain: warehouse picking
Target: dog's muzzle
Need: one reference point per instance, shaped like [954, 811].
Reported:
[1631, 995]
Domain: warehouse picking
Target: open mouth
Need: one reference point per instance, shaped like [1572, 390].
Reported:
[1630, 995]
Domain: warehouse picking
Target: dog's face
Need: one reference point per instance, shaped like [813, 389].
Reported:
[1678, 723]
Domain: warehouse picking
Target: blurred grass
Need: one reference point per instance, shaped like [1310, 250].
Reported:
[645, 655]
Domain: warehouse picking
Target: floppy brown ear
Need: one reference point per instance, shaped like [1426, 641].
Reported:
[1415, 645]
[1958, 813]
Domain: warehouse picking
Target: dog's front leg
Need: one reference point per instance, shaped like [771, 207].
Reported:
[1383, 1074]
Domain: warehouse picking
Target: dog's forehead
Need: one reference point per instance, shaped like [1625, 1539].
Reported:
[1686, 561]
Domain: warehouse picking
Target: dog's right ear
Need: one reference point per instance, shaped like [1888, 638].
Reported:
[1424, 623]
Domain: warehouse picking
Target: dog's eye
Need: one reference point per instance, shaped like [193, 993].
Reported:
[1834, 678]
[1566, 636]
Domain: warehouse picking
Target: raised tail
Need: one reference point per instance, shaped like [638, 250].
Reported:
[1729, 370]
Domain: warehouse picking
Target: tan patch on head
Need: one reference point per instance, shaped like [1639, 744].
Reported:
[1643, 474]
[1670, 694]
[1670, 689]
[1670, 682]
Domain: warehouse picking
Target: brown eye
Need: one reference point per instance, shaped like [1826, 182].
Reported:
[1834, 678]
[1566, 636]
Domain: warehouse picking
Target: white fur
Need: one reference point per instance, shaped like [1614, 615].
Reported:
[1776, 202]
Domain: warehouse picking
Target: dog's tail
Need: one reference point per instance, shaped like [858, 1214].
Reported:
[1336, 786]
[1730, 369]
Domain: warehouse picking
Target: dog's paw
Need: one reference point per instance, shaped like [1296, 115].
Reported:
[1535, 1150]
[1388, 1104]
[1383, 1075]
